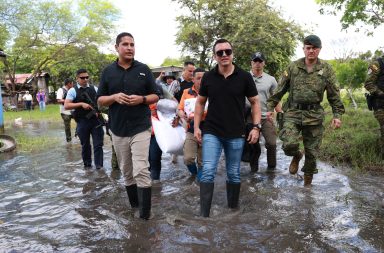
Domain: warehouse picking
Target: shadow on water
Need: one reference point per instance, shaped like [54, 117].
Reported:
[51, 203]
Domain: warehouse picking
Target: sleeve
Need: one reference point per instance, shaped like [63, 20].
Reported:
[250, 89]
[333, 94]
[151, 84]
[181, 104]
[59, 94]
[273, 86]
[281, 89]
[203, 91]
[71, 95]
[371, 81]
[103, 85]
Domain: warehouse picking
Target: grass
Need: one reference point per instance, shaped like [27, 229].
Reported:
[33, 143]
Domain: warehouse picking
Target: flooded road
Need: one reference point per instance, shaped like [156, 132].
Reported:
[50, 203]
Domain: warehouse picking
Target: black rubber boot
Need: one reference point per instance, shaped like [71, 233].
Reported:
[233, 192]
[271, 157]
[254, 157]
[206, 193]
[132, 195]
[144, 202]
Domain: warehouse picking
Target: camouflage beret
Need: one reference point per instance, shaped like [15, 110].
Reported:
[312, 40]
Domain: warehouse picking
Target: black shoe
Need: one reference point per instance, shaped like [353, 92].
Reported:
[206, 193]
[233, 192]
[132, 195]
[144, 195]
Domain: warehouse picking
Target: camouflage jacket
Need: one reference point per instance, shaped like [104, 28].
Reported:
[372, 79]
[307, 88]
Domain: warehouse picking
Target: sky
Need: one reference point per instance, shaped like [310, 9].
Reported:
[153, 25]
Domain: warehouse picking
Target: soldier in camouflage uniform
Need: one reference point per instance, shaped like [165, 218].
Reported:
[306, 80]
[375, 85]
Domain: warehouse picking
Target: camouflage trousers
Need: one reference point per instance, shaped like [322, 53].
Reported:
[67, 126]
[291, 135]
[379, 115]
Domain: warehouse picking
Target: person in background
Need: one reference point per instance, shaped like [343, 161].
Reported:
[41, 99]
[65, 114]
[127, 87]
[82, 99]
[265, 85]
[192, 148]
[306, 80]
[375, 86]
[226, 86]
[177, 87]
[27, 100]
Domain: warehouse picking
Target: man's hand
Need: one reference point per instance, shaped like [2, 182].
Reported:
[197, 134]
[270, 116]
[336, 123]
[86, 106]
[253, 136]
[130, 100]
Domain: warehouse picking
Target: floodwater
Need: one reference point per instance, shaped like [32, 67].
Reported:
[50, 203]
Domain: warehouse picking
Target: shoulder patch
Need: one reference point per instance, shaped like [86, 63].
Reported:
[285, 74]
[373, 67]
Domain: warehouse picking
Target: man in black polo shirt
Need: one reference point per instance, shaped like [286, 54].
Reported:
[127, 87]
[225, 87]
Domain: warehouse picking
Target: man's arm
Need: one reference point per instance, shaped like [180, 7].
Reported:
[370, 83]
[333, 96]
[256, 119]
[199, 110]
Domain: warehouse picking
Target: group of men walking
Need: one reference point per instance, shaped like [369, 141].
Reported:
[127, 87]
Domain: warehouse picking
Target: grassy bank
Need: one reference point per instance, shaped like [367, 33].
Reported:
[33, 143]
[356, 143]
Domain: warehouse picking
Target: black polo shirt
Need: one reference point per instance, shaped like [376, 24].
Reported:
[225, 117]
[126, 121]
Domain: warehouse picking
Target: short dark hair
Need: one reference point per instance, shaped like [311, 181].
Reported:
[121, 35]
[197, 70]
[68, 80]
[188, 63]
[81, 71]
[219, 41]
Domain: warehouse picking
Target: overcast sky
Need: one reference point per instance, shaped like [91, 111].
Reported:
[153, 25]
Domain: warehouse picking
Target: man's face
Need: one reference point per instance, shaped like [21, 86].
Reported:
[311, 52]
[169, 80]
[82, 79]
[126, 48]
[257, 65]
[223, 54]
[197, 80]
[188, 72]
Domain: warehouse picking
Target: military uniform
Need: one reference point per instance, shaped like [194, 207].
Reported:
[375, 85]
[303, 114]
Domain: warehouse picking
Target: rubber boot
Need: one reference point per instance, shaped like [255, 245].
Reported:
[206, 193]
[192, 168]
[144, 195]
[233, 192]
[132, 195]
[308, 179]
[294, 166]
[254, 157]
[271, 158]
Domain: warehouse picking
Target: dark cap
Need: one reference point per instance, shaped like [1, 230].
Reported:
[167, 75]
[258, 55]
[312, 40]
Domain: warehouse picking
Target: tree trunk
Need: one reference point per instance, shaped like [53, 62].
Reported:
[350, 94]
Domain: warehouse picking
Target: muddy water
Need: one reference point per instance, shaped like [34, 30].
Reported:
[49, 203]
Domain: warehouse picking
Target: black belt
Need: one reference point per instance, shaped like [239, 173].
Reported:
[305, 107]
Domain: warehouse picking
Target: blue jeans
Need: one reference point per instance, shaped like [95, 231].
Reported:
[42, 105]
[154, 159]
[212, 147]
[85, 129]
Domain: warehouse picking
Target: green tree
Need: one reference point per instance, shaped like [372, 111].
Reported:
[172, 62]
[250, 25]
[47, 31]
[370, 12]
[350, 74]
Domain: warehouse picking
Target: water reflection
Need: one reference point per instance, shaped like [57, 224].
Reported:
[51, 203]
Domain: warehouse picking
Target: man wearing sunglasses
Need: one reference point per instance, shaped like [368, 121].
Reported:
[79, 98]
[226, 86]
[306, 80]
[265, 85]
[128, 87]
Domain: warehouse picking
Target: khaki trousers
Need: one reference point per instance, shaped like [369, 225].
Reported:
[132, 157]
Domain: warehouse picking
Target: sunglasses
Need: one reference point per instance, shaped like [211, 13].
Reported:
[227, 52]
[84, 77]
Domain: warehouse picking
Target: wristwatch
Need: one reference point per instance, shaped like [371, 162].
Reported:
[256, 126]
[144, 99]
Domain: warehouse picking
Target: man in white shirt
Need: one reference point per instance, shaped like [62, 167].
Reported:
[28, 100]
[65, 114]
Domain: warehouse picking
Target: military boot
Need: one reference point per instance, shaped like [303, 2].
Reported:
[233, 193]
[308, 179]
[294, 166]
[271, 158]
[132, 195]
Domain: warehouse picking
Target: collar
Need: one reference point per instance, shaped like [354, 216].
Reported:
[318, 65]
[79, 86]
[216, 69]
[117, 64]
[256, 76]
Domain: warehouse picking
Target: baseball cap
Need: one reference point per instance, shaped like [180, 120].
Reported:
[258, 55]
[312, 40]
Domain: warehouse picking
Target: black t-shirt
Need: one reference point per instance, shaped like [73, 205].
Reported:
[183, 85]
[226, 97]
[126, 121]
